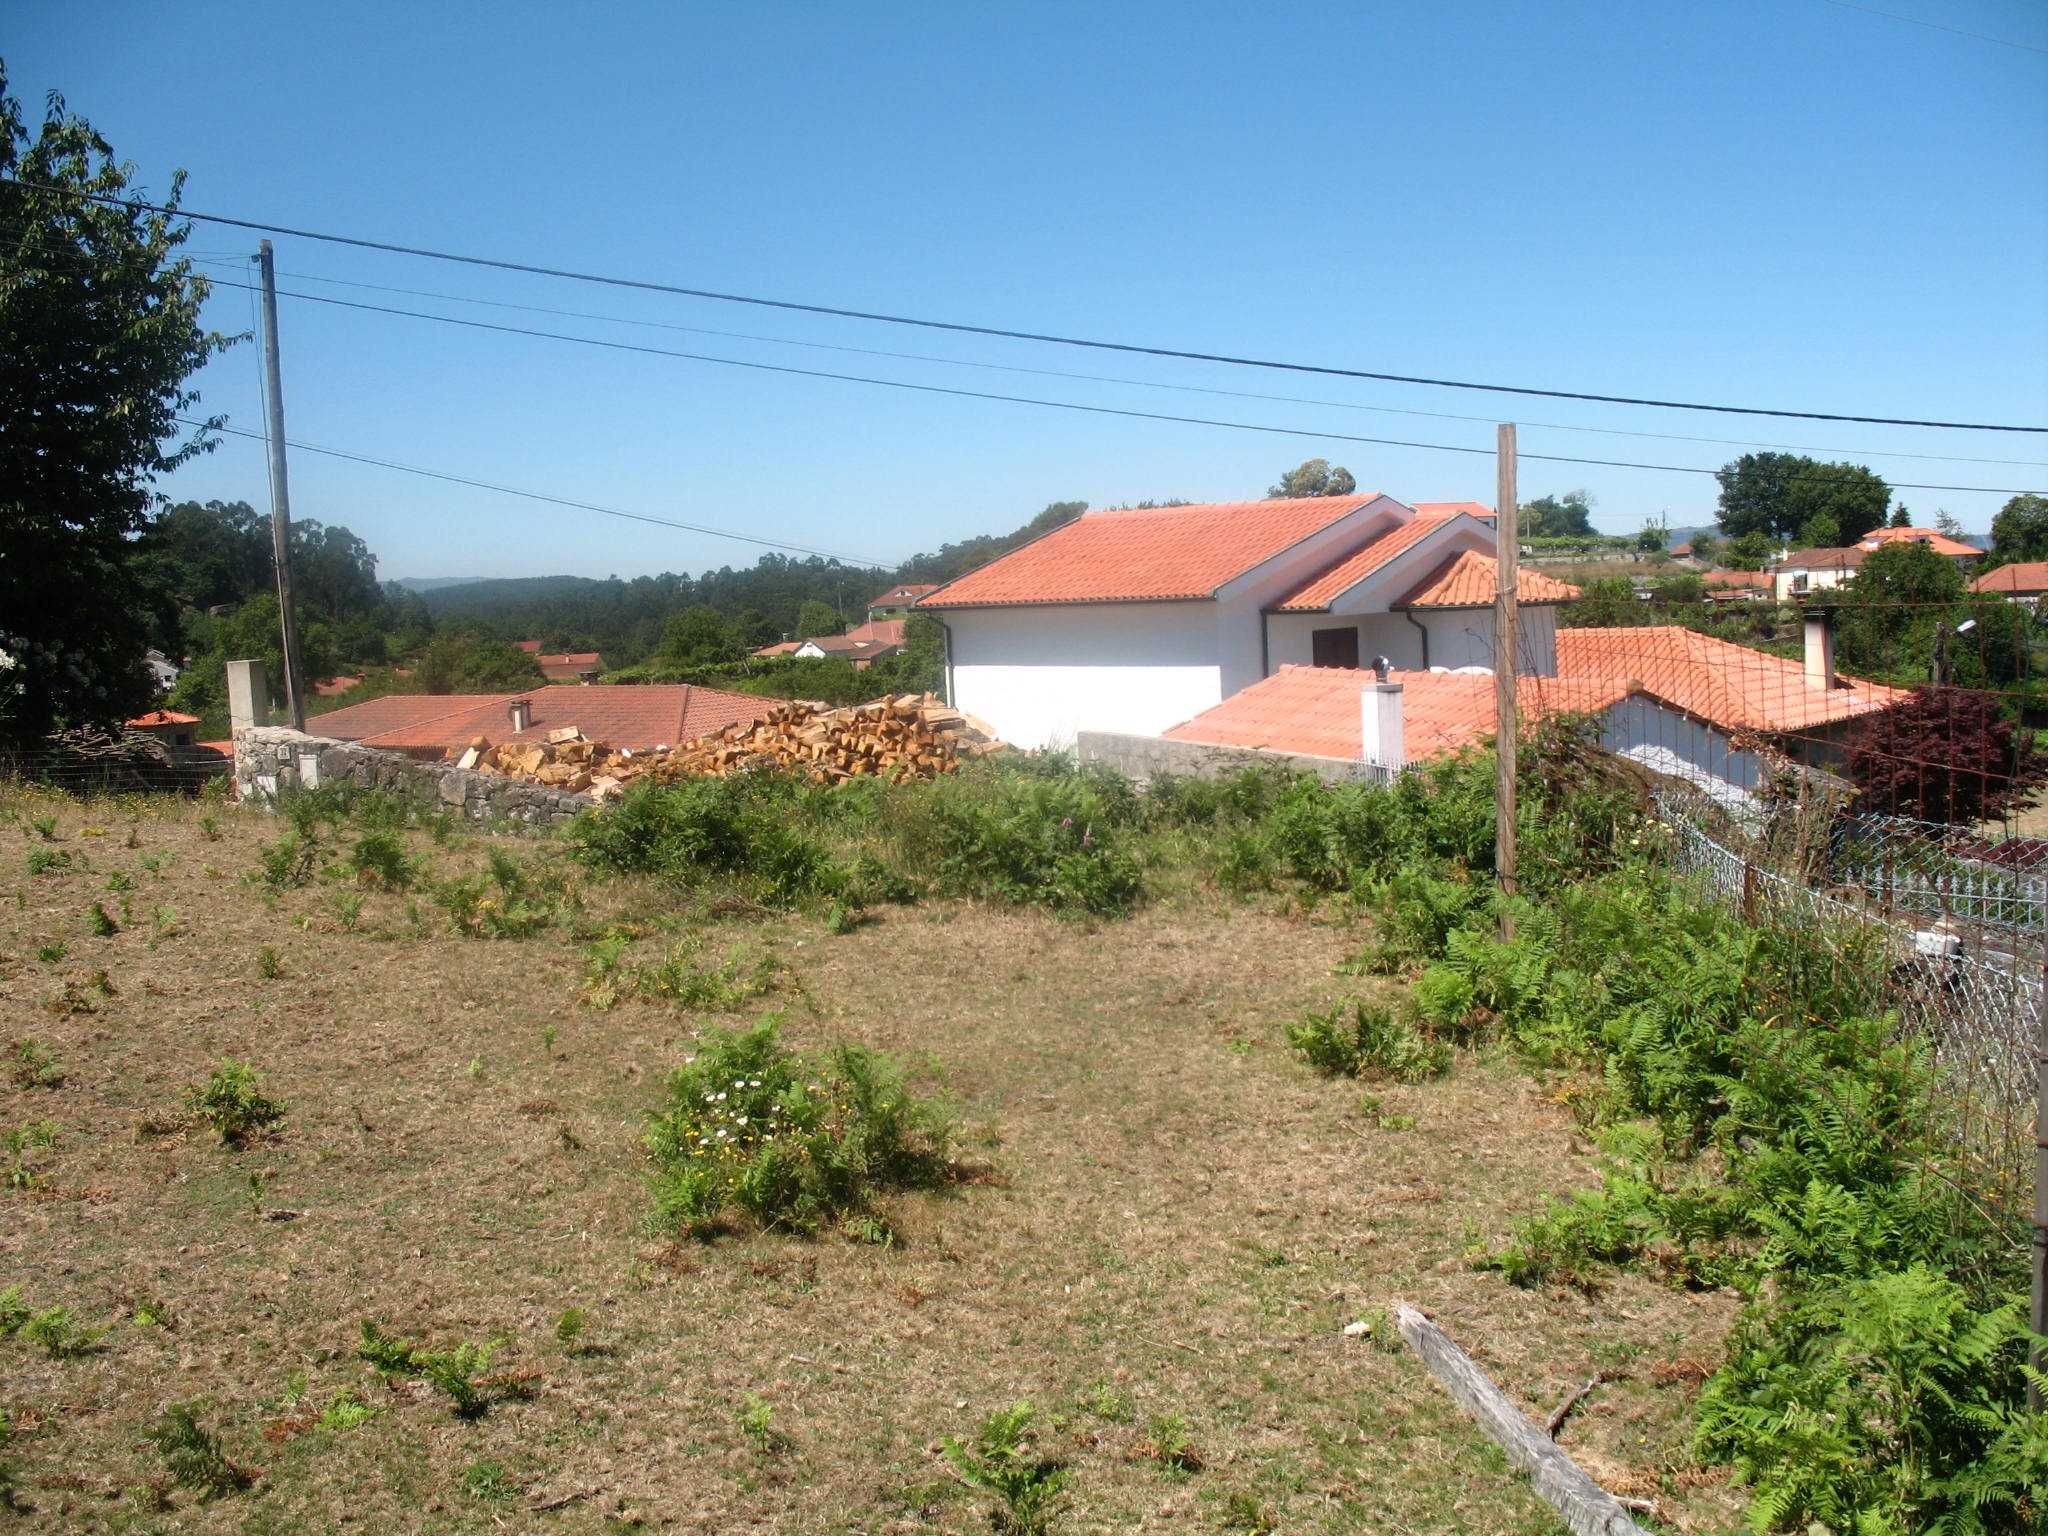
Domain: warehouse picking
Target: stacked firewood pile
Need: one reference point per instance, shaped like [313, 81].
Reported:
[910, 736]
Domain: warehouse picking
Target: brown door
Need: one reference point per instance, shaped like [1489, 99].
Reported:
[1335, 648]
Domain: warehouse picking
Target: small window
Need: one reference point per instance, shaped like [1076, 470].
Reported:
[1335, 647]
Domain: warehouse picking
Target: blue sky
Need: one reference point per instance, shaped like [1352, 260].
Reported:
[1779, 202]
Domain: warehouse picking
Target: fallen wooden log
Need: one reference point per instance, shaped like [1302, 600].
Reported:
[1587, 1508]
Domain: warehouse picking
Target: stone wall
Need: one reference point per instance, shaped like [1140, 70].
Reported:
[1148, 757]
[271, 758]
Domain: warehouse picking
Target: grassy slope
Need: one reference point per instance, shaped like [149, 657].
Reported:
[1171, 1206]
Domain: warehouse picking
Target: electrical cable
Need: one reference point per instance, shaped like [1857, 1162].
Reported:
[1050, 338]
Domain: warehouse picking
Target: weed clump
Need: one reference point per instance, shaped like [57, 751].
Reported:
[458, 1371]
[193, 1455]
[232, 1101]
[749, 1127]
[1003, 1460]
[1367, 1040]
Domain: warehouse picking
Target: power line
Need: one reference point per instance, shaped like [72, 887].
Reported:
[1103, 378]
[1051, 338]
[559, 501]
[1059, 405]
[1915, 21]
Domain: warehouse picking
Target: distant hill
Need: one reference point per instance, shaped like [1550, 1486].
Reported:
[431, 583]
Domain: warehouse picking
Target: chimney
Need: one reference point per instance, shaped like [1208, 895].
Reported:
[248, 696]
[522, 715]
[1381, 731]
[1820, 650]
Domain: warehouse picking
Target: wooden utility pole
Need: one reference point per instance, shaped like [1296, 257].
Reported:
[280, 496]
[1507, 552]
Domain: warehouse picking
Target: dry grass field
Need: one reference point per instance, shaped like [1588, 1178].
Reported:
[1160, 1226]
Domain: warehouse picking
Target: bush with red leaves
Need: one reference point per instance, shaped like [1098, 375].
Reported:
[1945, 754]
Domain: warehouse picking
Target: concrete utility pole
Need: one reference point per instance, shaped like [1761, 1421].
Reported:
[1507, 553]
[280, 496]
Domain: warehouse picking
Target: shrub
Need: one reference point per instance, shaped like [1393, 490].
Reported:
[745, 830]
[99, 923]
[193, 1456]
[787, 1141]
[457, 1371]
[36, 1065]
[1024, 836]
[686, 979]
[1367, 1040]
[1003, 1460]
[233, 1103]
[379, 859]
[57, 1333]
[507, 901]
[290, 861]
[42, 860]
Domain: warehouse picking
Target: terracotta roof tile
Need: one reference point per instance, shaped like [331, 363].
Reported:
[1158, 554]
[879, 631]
[1471, 580]
[1323, 588]
[1729, 685]
[1730, 581]
[1477, 509]
[904, 592]
[2021, 576]
[163, 717]
[1824, 559]
[1933, 538]
[637, 717]
[1315, 710]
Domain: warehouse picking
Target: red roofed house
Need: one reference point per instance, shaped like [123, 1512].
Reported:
[430, 725]
[1134, 620]
[1678, 702]
[897, 602]
[167, 726]
[1964, 555]
[2024, 581]
[563, 667]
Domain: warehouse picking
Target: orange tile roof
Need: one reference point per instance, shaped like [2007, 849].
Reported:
[879, 631]
[163, 717]
[1443, 508]
[1471, 580]
[1933, 538]
[1728, 685]
[625, 716]
[780, 648]
[904, 592]
[1158, 554]
[334, 685]
[1315, 710]
[1339, 577]
[531, 647]
[2021, 576]
[1731, 580]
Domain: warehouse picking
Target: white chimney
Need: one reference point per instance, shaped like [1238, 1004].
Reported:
[1820, 650]
[1381, 723]
[522, 715]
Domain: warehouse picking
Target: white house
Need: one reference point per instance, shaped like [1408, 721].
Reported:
[1133, 621]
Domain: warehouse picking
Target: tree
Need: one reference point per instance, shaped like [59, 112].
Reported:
[1776, 494]
[1947, 523]
[333, 571]
[1557, 517]
[473, 663]
[699, 637]
[251, 632]
[1891, 612]
[99, 332]
[1651, 539]
[1821, 531]
[816, 618]
[1747, 552]
[1945, 754]
[1705, 548]
[1312, 477]
[2020, 530]
[1901, 518]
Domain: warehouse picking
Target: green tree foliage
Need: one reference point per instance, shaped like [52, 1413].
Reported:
[2020, 530]
[1746, 552]
[1820, 531]
[1315, 477]
[99, 332]
[816, 618]
[206, 555]
[699, 637]
[1889, 615]
[467, 662]
[250, 633]
[1558, 517]
[1901, 517]
[1778, 494]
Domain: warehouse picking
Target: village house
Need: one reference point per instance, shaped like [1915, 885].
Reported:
[897, 602]
[1674, 701]
[565, 666]
[436, 725]
[1805, 571]
[1135, 620]
[2024, 581]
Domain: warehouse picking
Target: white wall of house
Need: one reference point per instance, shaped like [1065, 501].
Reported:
[1789, 581]
[1457, 637]
[1041, 673]
[1669, 742]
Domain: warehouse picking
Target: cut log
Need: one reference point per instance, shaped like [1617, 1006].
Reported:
[1586, 1507]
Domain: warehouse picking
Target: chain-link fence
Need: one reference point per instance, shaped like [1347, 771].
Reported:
[1973, 989]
